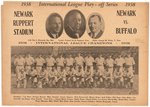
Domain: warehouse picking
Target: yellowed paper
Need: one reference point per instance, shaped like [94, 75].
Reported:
[75, 53]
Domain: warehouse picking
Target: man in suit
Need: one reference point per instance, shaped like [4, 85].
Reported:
[73, 27]
[54, 26]
[95, 26]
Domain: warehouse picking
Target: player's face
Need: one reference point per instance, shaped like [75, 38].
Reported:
[76, 22]
[94, 24]
[56, 25]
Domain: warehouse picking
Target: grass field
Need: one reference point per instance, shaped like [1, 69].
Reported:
[96, 91]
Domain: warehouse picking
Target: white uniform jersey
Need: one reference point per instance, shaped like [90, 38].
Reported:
[39, 61]
[89, 61]
[70, 61]
[79, 60]
[60, 61]
[29, 60]
[119, 61]
[99, 61]
[19, 61]
[129, 61]
[109, 62]
[50, 61]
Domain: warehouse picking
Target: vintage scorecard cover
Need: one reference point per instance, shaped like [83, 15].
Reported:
[75, 53]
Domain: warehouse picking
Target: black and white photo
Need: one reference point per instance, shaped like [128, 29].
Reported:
[54, 25]
[96, 26]
[95, 70]
[74, 24]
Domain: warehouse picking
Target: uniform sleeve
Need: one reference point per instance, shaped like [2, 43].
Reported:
[44, 60]
[83, 59]
[133, 62]
[96, 60]
[54, 61]
[93, 60]
[35, 60]
[115, 61]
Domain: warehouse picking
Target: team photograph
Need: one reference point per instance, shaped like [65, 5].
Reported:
[70, 70]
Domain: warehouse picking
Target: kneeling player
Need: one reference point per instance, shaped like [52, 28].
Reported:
[118, 78]
[128, 78]
[21, 79]
[45, 78]
[34, 76]
[79, 77]
[62, 77]
[71, 77]
[89, 77]
[53, 77]
[108, 79]
[41, 78]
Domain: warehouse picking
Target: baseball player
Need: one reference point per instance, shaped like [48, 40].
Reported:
[53, 77]
[71, 77]
[79, 77]
[29, 61]
[41, 77]
[89, 60]
[98, 77]
[60, 62]
[128, 79]
[69, 62]
[50, 61]
[34, 76]
[109, 62]
[13, 67]
[118, 78]
[108, 79]
[129, 69]
[21, 78]
[46, 77]
[129, 63]
[79, 61]
[119, 62]
[100, 66]
[62, 77]
[118, 72]
[39, 63]
[89, 77]
[19, 63]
